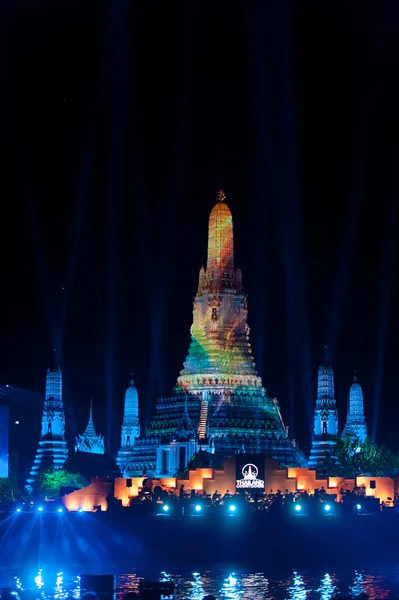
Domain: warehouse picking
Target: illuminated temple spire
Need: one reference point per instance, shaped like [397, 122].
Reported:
[130, 425]
[325, 415]
[220, 239]
[355, 423]
[220, 353]
[52, 450]
[90, 441]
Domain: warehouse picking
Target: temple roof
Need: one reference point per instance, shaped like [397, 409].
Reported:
[90, 441]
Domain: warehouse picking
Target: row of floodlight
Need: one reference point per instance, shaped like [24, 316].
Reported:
[40, 509]
[326, 507]
[299, 508]
[198, 508]
[232, 508]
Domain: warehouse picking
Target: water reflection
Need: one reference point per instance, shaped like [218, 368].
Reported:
[59, 592]
[76, 587]
[39, 580]
[256, 585]
[231, 588]
[197, 588]
[297, 591]
[374, 586]
[227, 585]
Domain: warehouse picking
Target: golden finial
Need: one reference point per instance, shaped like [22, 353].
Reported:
[221, 196]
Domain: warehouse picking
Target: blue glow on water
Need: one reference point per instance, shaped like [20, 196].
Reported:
[39, 580]
[297, 591]
[59, 592]
[327, 587]
[224, 584]
[18, 583]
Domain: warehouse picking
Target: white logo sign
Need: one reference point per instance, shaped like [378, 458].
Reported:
[250, 480]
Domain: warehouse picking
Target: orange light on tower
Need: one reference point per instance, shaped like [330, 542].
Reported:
[220, 238]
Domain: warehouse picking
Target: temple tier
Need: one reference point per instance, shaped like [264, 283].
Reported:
[219, 404]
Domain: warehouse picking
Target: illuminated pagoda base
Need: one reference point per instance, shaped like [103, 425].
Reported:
[50, 453]
[219, 404]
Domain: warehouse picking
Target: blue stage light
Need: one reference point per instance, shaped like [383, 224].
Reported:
[40, 509]
[358, 506]
[298, 507]
[165, 507]
[232, 508]
[18, 510]
[198, 507]
[327, 508]
[60, 510]
[80, 510]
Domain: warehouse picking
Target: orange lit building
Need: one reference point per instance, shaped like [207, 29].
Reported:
[232, 476]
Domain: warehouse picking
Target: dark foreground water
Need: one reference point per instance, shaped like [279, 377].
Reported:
[231, 584]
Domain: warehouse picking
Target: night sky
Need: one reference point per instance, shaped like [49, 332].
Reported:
[118, 121]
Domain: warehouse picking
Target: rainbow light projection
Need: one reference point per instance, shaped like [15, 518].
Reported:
[219, 403]
[220, 352]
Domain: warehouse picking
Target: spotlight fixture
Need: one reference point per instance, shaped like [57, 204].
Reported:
[327, 508]
[18, 509]
[198, 507]
[358, 506]
[80, 510]
[298, 507]
[165, 508]
[40, 509]
[232, 508]
[59, 510]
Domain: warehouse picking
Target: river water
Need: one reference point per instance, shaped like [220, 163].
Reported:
[227, 583]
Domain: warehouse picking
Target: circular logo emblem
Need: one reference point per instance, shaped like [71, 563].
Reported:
[250, 471]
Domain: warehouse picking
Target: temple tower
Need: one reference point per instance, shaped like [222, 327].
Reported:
[130, 425]
[220, 353]
[219, 404]
[90, 441]
[52, 450]
[325, 416]
[355, 422]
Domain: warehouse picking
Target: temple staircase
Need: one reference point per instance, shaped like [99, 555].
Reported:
[203, 422]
